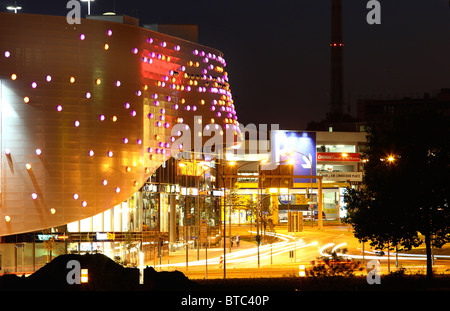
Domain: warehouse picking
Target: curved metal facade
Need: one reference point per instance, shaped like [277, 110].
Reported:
[88, 111]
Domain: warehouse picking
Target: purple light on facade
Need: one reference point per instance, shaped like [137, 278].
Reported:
[109, 33]
[82, 37]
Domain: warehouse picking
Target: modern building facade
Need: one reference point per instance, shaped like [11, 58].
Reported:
[89, 112]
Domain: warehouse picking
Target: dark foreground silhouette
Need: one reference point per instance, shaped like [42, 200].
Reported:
[104, 275]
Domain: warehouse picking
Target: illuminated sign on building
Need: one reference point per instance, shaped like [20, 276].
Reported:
[105, 236]
[298, 148]
[338, 157]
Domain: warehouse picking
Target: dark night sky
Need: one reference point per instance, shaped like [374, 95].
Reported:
[277, 52]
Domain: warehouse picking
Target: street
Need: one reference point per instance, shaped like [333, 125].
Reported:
[284, 256]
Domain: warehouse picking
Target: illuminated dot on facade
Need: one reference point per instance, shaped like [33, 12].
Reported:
[34, 85]
[48, 78]
[59, 108]
[84, 203]
[98, 81]
[110, 154]
[13, 76]
[72, 79]
[91, 153]
[104, 182]
[77, 123]
[82, 36]
[88, 95]
[109, 33]
[75, 196]
[28, 166]
[114, 118]
[26, 99]
[102, 117]
[52, 211]
[7, 218]
[38, 151]
[7, 54]
[117, 190]
[106, 46]
[34, 196]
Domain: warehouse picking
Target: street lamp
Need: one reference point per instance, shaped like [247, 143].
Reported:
[311, 187]
[206, 168]
[89, 5]
[14, 8]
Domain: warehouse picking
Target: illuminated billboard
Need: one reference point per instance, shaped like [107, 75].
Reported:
[297, 148]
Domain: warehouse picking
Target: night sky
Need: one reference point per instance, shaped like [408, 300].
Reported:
[278, 53]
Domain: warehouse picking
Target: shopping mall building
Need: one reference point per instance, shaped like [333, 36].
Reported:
[118, 139]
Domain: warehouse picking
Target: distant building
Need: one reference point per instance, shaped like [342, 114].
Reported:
[377, 109]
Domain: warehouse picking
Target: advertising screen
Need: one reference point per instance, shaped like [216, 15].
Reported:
[297, 148]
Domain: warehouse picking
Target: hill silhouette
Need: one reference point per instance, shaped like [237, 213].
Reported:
[104, 275]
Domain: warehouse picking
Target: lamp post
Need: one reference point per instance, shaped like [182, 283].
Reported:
[207, 168]
[89, 5]
[310, 195]
[258, 202]
[14, 8]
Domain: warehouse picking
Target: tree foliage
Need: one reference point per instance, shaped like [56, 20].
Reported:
[404, 200]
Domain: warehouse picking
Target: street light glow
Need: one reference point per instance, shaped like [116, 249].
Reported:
[14, 8]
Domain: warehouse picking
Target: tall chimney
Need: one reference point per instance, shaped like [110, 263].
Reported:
[337, 59]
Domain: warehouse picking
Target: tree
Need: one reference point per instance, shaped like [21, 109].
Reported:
[404, 200]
